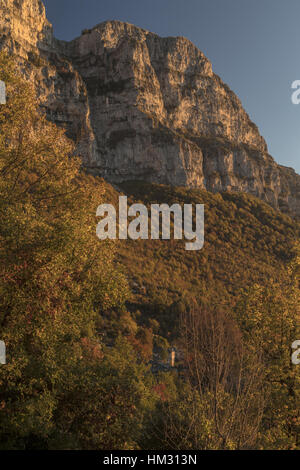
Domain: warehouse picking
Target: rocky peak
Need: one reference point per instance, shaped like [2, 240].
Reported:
[172, 78]
[25, 22]
[142, 107]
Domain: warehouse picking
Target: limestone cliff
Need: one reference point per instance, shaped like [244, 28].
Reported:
[26, 33]
[144, 107]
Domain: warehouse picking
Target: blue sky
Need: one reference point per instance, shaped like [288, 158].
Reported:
[252, 44]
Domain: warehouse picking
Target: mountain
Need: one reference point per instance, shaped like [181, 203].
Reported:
[142, 107]
[149, 116]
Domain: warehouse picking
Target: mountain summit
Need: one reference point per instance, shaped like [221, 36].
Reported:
[142, 107]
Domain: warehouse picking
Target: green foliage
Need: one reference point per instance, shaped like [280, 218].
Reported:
[242, 270]
[269, 319]
[106, 407]
[246, 243]
[55, 276]
[180, 420]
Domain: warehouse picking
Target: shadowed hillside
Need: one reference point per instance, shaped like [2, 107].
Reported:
[246, 242]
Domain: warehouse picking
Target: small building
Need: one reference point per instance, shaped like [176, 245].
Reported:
[172, 357]
[2, 93]
[2, 353]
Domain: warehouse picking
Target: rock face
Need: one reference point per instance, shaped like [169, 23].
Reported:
[26, 33]
[144, 107]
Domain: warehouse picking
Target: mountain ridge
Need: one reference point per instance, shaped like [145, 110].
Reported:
[142, 107]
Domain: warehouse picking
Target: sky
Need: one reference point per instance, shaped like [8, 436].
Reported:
[253, 45]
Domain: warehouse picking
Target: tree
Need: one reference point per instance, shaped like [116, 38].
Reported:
[218, 401]
[226, 376]
[55, 275]
[269, 319]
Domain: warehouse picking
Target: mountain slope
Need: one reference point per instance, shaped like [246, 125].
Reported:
[246, 242]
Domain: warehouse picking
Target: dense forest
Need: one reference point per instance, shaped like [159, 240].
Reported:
[89, 326]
